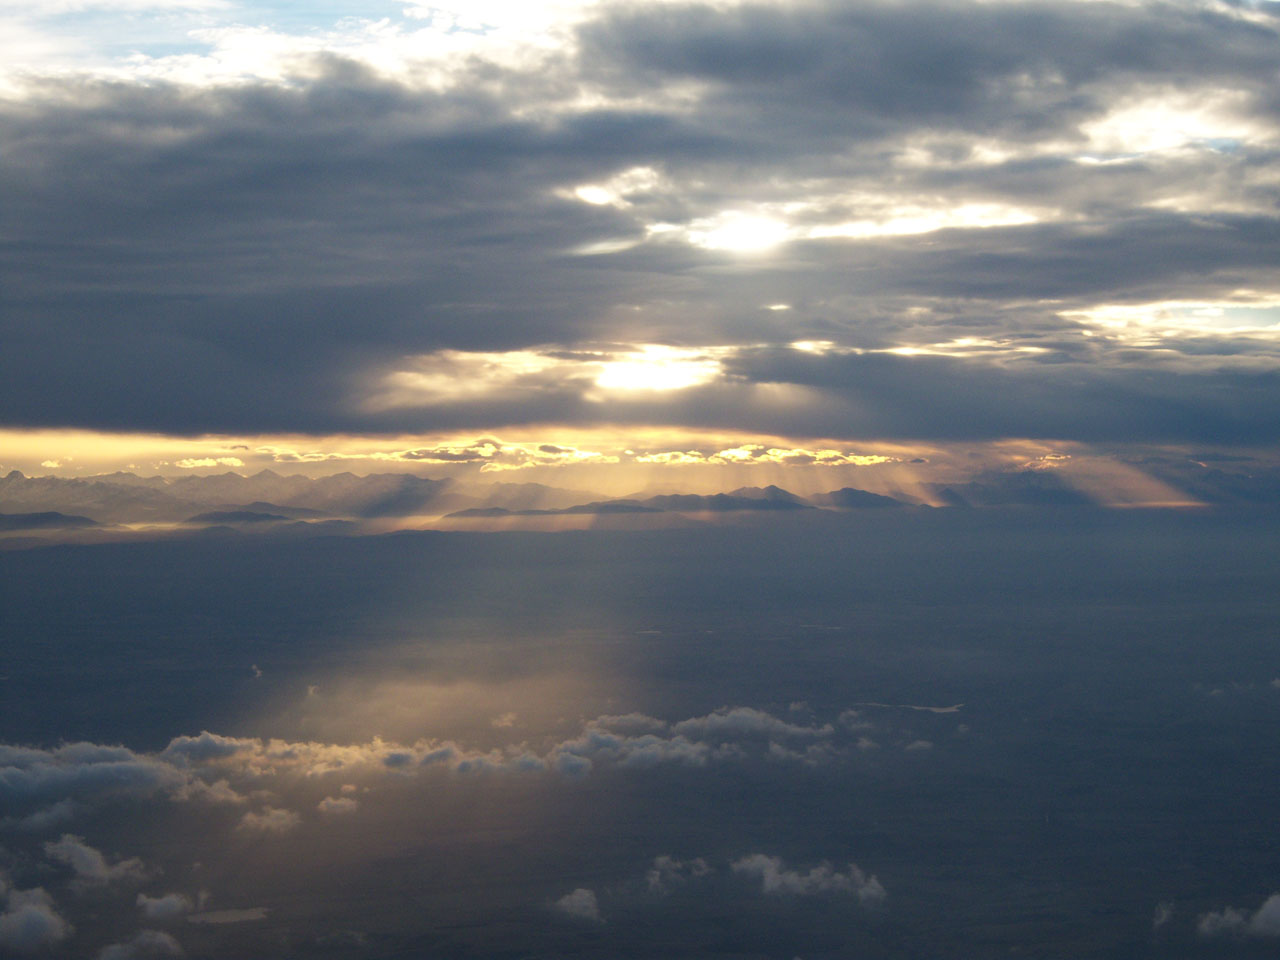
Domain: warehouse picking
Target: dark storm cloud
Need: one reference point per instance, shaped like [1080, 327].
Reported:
[251, 258]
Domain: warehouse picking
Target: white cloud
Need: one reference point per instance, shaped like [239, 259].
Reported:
[54, 815]
[218, 770]
[81, 770]
[91, 868]
[31, 923]
[730, 722]
[206, 746]
[1232, 922]
[269, 820]
[338, 805]
[147, 945]
[218, 792]
[165, 907]
[581, 904]
[667, 870]
[192, 463]
[776, 879]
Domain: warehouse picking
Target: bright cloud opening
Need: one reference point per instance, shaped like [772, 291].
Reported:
[1175, 121]
[737, 233]
[659, 368]
[907, 220]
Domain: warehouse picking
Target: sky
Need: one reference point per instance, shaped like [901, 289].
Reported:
[460, 276]
[384, 235]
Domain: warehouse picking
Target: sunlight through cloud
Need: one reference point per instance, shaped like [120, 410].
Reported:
[659, 368]
[739, 233]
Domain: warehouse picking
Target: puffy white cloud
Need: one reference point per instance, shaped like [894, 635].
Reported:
[164, 907]
[730, 722]
[218, 770]
[1232, 922]
[30, 922]
[338, 805]
[667, 871]
[192, 463]
[80, 770]
[599, 744]
[581, 904]
[775, 878]
[147, 945]
[218, 792]
[207, 746]
[1228, 922]
[269, 820]
[54, 815]
[1266, 921]
[90, 867]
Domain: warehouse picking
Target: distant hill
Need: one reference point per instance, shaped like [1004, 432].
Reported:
[531, 496]
[46, 520]
[601, 507]
[850, 498]
[771, 493]
[723, 502]
[236, 516]
[123, 497]
[664, 503]
[1023, 488]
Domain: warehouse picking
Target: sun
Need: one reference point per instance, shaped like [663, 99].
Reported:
[740, 233]
[658, 368]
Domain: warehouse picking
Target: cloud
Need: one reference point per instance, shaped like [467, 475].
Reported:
[978, 186]
[81, 770]
[581, 905]
[776, 879]
[727, 723]
[668, 871]
[90, 867]
[338, 805]
[147, 945]
[217, 770]
[269, 820]
[217, 792]
[205, 747]
[165, 907]
[192, 463]
[1232, 922]
[30, 922]
[54, 815]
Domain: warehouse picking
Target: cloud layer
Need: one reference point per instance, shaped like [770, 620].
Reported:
[1040, 219]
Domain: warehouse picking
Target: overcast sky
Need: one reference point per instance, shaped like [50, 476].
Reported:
[902, 222]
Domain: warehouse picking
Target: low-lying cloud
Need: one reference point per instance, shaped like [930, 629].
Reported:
[1263, 922]
[775, 878]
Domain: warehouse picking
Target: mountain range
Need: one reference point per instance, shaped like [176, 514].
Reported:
[268, 497]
